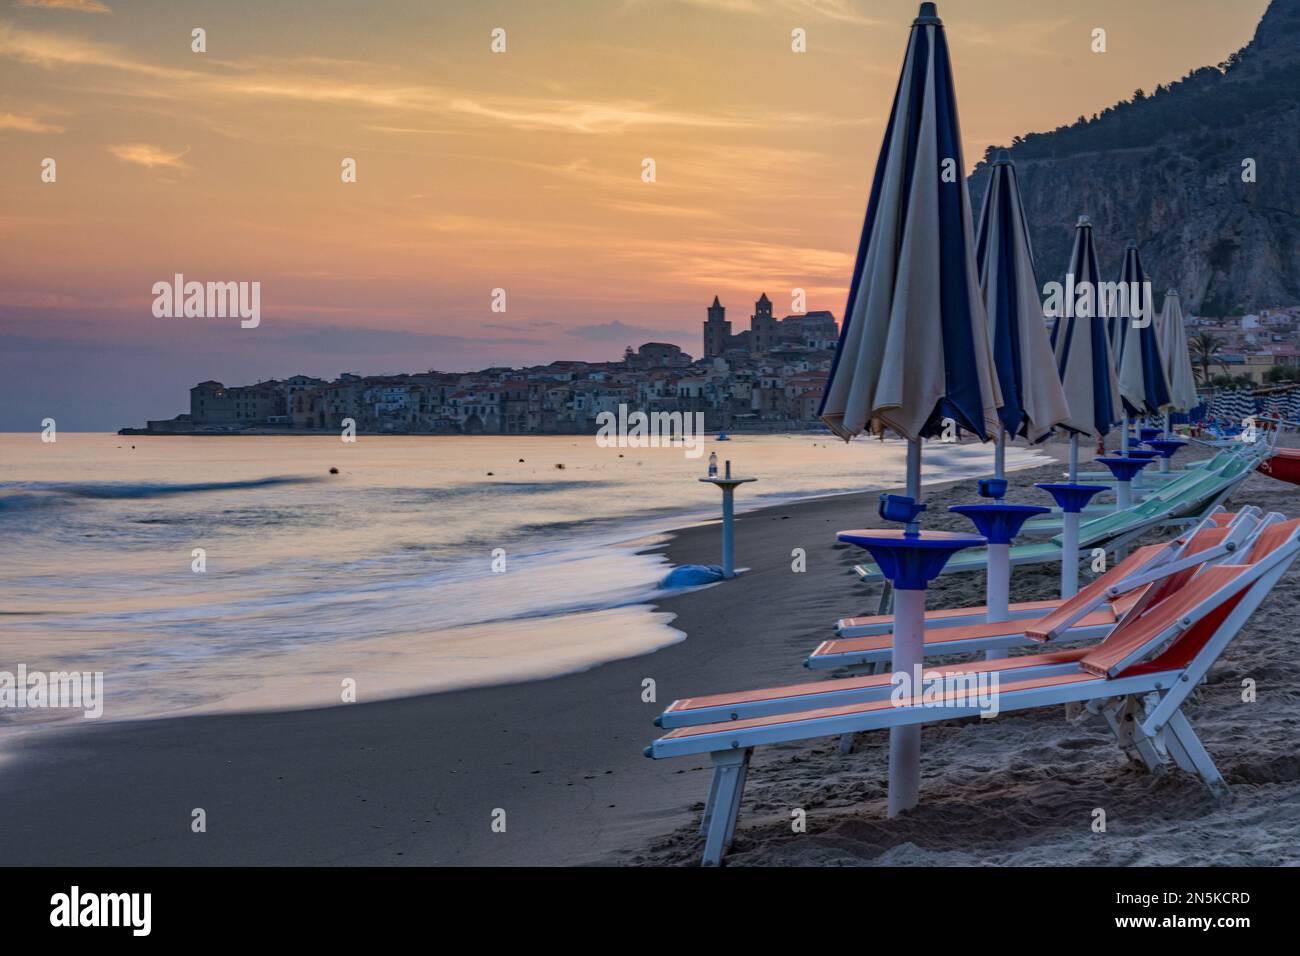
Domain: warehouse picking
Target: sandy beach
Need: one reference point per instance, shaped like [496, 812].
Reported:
[418, 780]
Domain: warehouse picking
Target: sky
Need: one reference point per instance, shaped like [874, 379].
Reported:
[476, 170]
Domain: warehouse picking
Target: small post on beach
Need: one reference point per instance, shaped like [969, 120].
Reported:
[728, 485]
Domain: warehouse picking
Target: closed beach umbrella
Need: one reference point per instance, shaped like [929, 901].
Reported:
[1143, 387]
[914, 348]
[1033, 402]
[1178, 360]
[1082, 348]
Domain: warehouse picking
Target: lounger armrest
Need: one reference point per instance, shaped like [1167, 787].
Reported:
[1137, 581]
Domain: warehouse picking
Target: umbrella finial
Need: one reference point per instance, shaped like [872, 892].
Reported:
[1004, 158]
[1132, 244]
[1084, 220]
[929, 13]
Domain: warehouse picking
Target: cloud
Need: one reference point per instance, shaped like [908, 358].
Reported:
[618, 333]
[83, 6]
[27, 124]
[146, 154]
[326, 82]
[50, 51]
[589, 116]
[837, 11]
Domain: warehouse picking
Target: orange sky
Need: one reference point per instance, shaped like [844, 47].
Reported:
[477, 170]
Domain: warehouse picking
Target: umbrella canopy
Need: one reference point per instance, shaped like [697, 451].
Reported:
[914, 348]
[1143, 386]
[1080, 343]
[1033, 402]
[1173, 348]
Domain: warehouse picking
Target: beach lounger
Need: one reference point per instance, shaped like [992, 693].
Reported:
[1147, 580]
[1139, 677]
[1243, 452]
[1090, 614]
[865, 626]
[1239, 449]
[1184, 495]
[1114, 531]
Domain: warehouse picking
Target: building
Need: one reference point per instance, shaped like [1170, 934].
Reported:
[212, 404]
[295, 385]
[656, 355]
[766, 333]
[717, 331]
[762, 326]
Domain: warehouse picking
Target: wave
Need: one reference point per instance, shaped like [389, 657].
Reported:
[17, 495]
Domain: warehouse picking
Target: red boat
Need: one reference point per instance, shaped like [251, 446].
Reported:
[1283, 464]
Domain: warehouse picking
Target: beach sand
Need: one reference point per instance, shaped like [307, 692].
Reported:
[420, 780]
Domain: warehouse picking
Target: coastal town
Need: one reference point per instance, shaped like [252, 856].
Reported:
[768, 377]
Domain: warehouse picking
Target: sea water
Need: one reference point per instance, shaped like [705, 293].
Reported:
[235, 572]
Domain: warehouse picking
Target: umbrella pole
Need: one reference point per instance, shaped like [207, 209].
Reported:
[1000, 454]
[1070, 555]
[1074, 458]
[997, 594]
[914, 477]
[1123, 437]
[905, 742]
[1164, 462]
[908, 654]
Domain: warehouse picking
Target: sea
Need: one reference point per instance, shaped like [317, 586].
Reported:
[221, 573]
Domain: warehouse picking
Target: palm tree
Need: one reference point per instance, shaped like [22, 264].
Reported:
[1205, 349]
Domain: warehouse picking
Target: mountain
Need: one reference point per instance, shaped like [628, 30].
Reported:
[1165, 168]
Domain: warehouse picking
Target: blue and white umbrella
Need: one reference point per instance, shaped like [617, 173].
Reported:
[1033, 401]
[1178, 360]
[1143, 385]
[1082, 347]
[914, 349]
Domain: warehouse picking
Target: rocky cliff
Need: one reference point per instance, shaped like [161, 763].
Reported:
[1166, 168]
